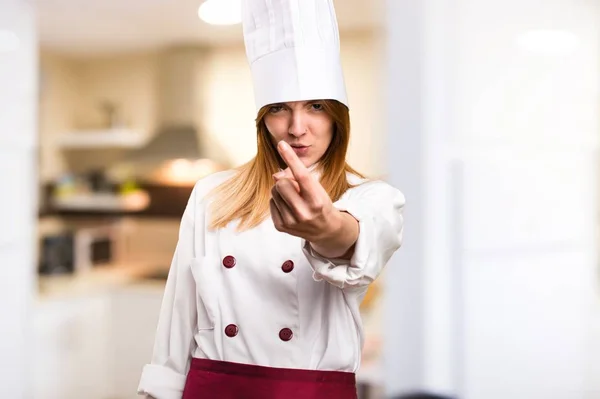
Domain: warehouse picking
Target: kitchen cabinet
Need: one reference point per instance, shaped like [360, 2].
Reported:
[135, 310]
[69, 347]
[94, 345]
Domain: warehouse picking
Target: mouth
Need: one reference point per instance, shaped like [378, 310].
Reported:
[300, 150]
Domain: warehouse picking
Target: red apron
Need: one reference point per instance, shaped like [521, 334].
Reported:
[211, 379]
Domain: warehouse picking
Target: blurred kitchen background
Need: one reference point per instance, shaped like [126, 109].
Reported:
[486, 114]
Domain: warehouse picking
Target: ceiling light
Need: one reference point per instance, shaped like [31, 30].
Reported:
[9, 41]
[221, 12]
[548, 42]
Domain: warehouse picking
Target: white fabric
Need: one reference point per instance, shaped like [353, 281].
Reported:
[293, 48]
[319, 300]
[162, 382]
[380, 230]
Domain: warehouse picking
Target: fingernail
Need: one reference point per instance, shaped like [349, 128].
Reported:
[279, 175]
[283, 145]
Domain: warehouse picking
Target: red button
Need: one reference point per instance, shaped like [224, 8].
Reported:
[285, 334]
[229, 261]
[287, 266]
[231, 330]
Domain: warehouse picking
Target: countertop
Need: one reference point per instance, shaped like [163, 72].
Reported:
[100, 280]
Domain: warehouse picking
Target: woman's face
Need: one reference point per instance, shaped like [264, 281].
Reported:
[304, 125]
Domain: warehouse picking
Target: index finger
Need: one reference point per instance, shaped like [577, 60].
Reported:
[300, 172]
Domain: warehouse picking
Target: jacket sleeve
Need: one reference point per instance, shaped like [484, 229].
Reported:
[165, 376]
[378, 208]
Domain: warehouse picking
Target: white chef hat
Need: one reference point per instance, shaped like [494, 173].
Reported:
[293, 47]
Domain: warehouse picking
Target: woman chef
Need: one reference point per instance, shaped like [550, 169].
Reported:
[274, 258]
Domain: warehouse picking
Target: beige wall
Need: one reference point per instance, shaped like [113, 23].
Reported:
[75, 88]
[71, 97]
[129, 80]
[58, 89]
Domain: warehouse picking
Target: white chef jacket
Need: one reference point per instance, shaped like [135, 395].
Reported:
[264, 297]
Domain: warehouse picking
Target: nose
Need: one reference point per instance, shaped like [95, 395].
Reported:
[298, 126]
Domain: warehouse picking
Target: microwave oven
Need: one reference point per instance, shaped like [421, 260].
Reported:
[82, 250]
[96, 246]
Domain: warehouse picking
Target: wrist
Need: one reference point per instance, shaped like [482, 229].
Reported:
[339, 238]
[333, 227]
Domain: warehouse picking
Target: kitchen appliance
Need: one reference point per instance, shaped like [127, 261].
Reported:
[57, 254]
[96, 246]
[83, 249]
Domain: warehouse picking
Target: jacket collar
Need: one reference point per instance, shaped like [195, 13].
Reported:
[313, 169]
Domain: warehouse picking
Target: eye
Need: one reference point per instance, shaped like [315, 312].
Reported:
[275, 109]
[316, 106]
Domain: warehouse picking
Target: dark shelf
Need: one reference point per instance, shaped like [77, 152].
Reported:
[165, 202]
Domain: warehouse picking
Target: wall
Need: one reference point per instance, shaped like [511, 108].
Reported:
[18, 106]
[59, 88]
[73, 89]
[130, 81]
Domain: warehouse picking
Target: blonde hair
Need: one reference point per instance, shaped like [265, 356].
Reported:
[246, 195]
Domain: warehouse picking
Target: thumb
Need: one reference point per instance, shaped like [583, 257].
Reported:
[284, 174]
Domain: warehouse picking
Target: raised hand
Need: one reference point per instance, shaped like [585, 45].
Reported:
[300, 206]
